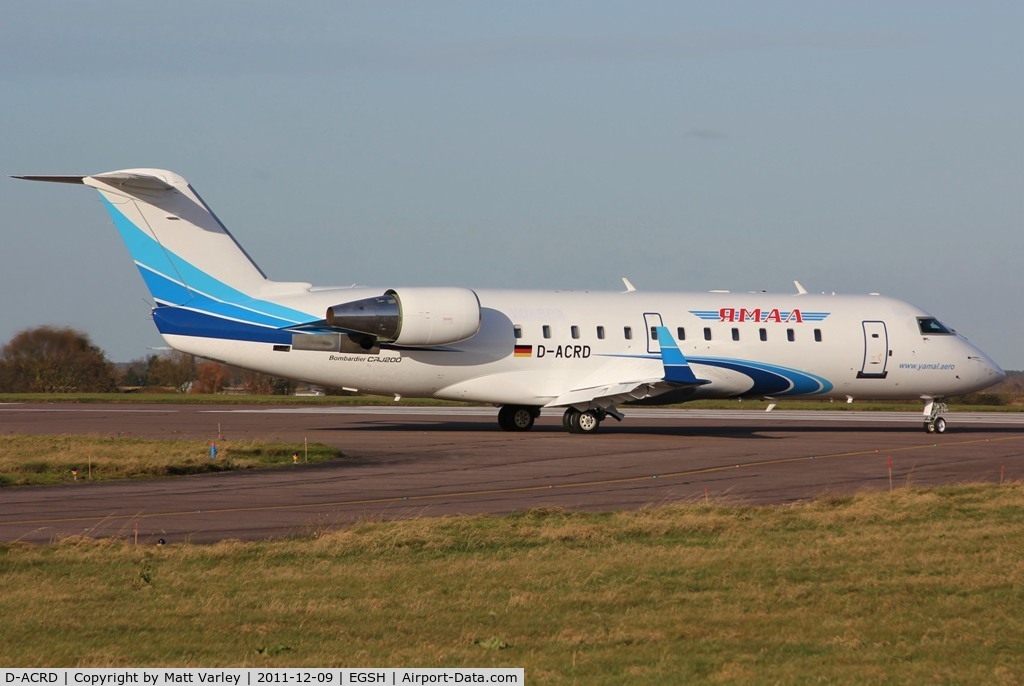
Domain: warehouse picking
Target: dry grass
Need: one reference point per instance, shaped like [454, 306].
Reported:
[28, 460]
[920, 586]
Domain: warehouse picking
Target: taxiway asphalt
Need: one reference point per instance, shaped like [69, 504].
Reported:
[408, 462]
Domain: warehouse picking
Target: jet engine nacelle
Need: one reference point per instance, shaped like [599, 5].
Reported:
[412, 316]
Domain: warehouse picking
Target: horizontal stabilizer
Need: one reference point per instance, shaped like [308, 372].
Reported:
[141, 178]
[146, 179]
[53, 179]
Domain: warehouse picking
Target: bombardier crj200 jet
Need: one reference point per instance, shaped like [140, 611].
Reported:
[581, 353]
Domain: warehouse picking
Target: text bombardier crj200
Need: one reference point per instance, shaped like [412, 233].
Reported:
[578, 352]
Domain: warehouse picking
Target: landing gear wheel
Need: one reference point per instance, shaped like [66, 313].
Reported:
[587, 422]
[516, 417]
[934, 423]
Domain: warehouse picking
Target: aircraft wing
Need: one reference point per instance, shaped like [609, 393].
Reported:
[608, 394]
[678, 374]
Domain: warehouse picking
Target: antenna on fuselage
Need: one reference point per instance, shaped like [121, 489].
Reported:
[800, 290]
[630, 288]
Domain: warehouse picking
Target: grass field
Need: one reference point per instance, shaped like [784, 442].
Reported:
[918, 586]
[32, 460]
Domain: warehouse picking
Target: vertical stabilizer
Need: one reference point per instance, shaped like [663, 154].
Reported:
[192, 265]
[179, 245]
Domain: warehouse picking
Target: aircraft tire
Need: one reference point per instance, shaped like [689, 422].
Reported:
[940, 425]
[587, 422]
[570, 419]
[516, 417]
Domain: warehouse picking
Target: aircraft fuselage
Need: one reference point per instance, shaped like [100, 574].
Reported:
[533, 346]
[584, 352]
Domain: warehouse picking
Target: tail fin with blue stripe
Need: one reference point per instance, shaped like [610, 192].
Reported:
[188, 259]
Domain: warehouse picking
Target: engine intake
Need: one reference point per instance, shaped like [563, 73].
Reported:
[412, 316]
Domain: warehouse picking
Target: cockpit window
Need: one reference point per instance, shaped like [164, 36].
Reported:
[933, 327]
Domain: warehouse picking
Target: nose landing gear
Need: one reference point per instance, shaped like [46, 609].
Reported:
[934, 423]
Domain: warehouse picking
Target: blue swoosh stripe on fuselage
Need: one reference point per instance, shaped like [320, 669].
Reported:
[769, 379]
[178, 321]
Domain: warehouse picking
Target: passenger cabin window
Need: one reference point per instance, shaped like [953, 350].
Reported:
[517, 331]
[763, 333]
[932, 327]
[575, 331]
[547, 331]
[707, 333]
[790, 335]
[817, 335]
[681, 333]
[735, 334]
[600, 333]
[654, 333]
[628, 332]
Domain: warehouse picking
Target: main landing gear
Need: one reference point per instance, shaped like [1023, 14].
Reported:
[933, 420]
[585, 422]
[517, 417]
[522, 417]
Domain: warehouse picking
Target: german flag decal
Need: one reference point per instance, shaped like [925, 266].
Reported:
[524, 351]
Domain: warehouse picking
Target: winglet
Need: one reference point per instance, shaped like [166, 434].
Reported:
[677, 369]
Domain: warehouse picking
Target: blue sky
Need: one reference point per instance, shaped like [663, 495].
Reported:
[858, 147]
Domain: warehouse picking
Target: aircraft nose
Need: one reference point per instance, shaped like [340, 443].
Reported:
[986, 371]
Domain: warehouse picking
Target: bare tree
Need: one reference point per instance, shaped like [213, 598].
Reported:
[210, 378]
[174, 369]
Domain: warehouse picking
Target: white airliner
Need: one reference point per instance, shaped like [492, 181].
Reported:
[581, 353]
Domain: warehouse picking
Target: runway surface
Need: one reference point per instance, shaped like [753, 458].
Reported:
[411, 462]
